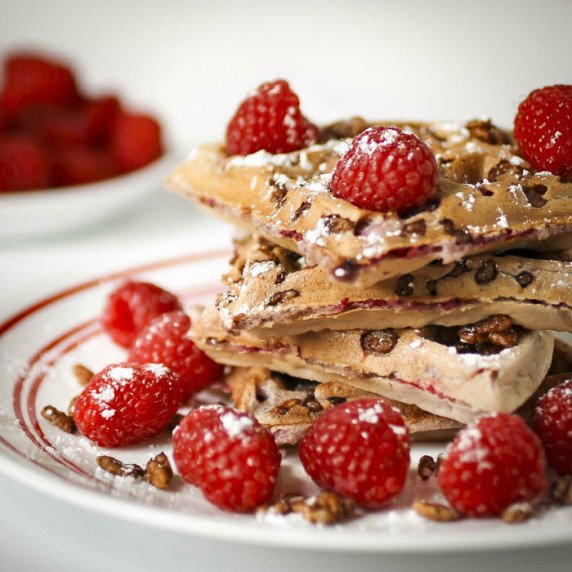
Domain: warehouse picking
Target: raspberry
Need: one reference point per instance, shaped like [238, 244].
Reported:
[229, 455]
[124, 404]
[270, 119]
[31, 79]
[136, 141]
[543, 129]
[552, 421]
[24, 164]
[165, 341]
[80, 165]
[386, 169]
[132, 306]
[359, 449]
[493, 463]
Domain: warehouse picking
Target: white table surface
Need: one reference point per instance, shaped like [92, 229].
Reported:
[191, 62]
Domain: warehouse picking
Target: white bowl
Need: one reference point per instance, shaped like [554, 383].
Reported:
[26, 214]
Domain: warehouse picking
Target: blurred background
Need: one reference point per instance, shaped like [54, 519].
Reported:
[191, 62]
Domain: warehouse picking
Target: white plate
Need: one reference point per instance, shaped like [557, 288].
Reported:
[38, 347]
[30, 214]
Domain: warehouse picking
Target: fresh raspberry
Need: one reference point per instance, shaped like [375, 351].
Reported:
[132, 306]
[359, 449]
[31, 79]
[543, 129]
[229, 455]
[552, 421]
[493, 463]
[165, 341]
[386, 169]
[124, 403]
[24, 163]
[270, 119]
[136, 141]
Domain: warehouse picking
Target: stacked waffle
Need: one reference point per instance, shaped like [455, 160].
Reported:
[445, 310]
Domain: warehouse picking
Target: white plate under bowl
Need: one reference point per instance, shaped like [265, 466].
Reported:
[39, 346]
[37, 213]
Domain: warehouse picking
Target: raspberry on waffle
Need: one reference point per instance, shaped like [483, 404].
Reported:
[488, 198]
[430, 368]
[273, 293]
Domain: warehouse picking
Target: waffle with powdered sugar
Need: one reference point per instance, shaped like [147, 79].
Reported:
[272, 292]
[489, 199]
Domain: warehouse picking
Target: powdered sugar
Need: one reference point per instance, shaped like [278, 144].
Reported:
[235, 425]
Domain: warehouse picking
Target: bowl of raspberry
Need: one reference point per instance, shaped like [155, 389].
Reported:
[69, 158]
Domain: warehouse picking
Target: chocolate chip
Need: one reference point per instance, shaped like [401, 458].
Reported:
[418, 227]
[431, 287]
[428, 207]
[405, 285]
[524, 279]
[499, 169]
[283, 296]
[381, 342]
[304, 206]
[486, 272]
[280, 278]
[484, 130]
[279, 193]
[534, 194]
[336, 224]
[462, 236]
[337, 400]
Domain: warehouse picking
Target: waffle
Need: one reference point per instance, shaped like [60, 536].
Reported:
[288, 406]
[489, 199]
[409, 365]
[272, 293]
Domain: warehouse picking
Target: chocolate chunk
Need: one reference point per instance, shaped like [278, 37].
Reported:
[304, 206]
[336, 224]
[486, 272]
[381, 342]
[524, 279]
[418, 227]
[431, 287]
[405, 285]
[462, 236]
[534, 194]
[346, 270]
[283, 296]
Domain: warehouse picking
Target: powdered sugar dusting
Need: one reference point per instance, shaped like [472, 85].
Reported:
[235, 425]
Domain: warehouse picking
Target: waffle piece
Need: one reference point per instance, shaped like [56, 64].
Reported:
[272, 293]
[288, 406]
[410, 366]
[488, 199]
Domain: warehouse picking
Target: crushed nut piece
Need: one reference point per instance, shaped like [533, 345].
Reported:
[82, 374]
[518, 512]
[159, 472]
[428, 467]
[324, 508]
[486, 131]
[118, 468]
[561, 491]
[71, 406]
[58, 418]
[435, 511]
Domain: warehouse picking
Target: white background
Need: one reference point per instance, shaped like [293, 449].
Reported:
[190, 63]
